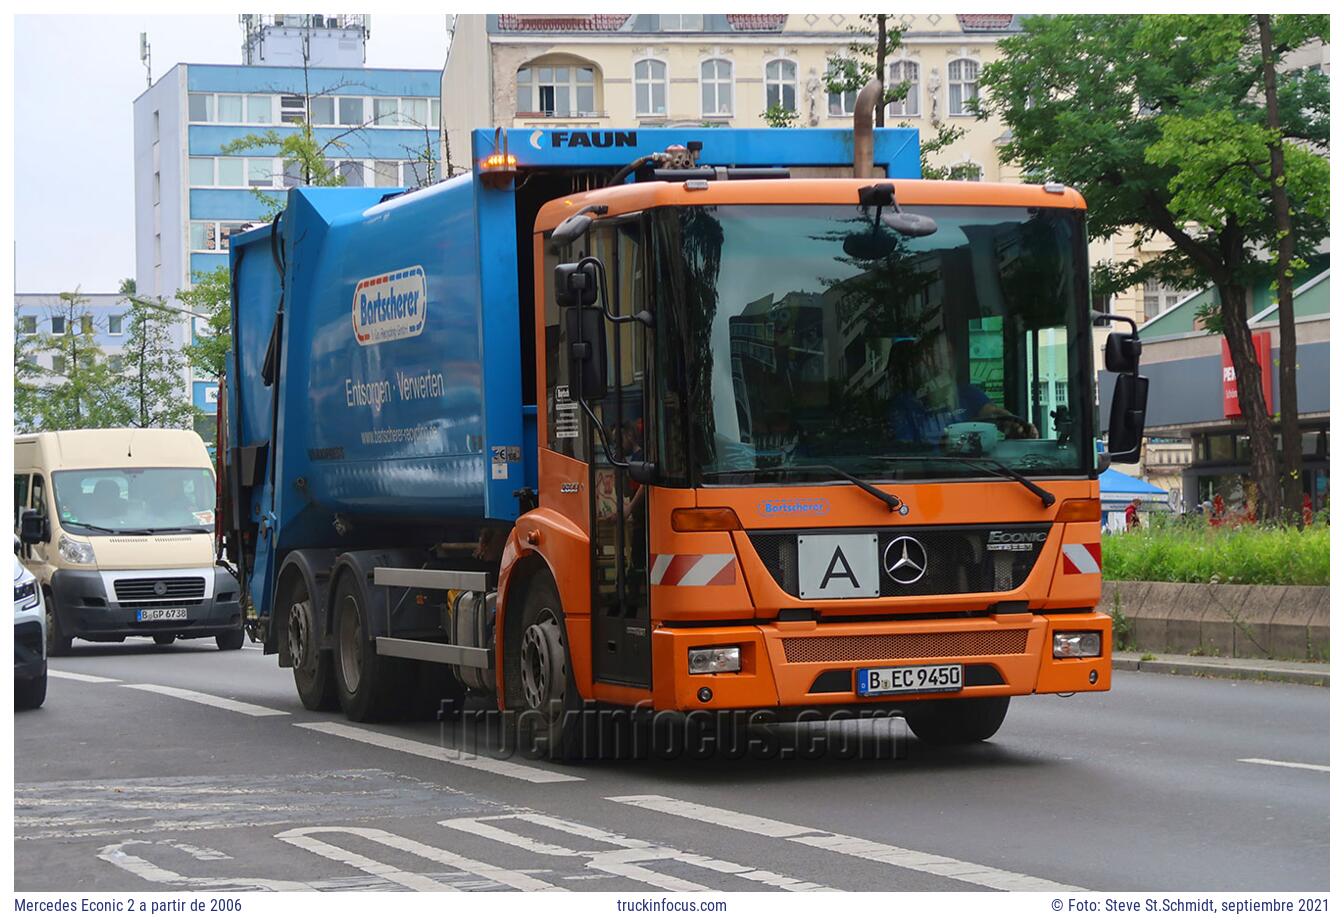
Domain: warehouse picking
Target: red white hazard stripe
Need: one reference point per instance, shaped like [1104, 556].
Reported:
[693, 569]
[1082, 558]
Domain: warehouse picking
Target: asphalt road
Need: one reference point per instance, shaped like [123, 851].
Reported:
[186, 767]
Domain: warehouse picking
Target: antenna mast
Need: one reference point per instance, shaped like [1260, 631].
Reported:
[144, 58]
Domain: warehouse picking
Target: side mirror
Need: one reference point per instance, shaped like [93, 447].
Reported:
[575, 225]
[1122, 352]
[33, 527]
[1129, 406]
[907, 224]
[643, 472]
[586, 330]
[575, 284]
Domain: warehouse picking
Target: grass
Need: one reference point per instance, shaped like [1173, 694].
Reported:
[1196, 553]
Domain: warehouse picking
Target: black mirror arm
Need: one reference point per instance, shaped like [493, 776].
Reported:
[602, 435]
[644, 317]
[1100, 319]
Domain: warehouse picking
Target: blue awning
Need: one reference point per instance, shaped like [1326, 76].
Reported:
[1119, 489]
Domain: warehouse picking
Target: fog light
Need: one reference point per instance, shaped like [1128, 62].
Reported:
[1092, 677]
[715, 660]
[704, 694]
[1077, 645]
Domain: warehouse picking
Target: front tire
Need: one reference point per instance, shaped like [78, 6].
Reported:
[164, 640]
[58, 643]
[553, 722]
[32, 693]
[951, 722]
[230, 641]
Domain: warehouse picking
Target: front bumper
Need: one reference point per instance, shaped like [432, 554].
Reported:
[84, 610]
[30, 650]
[812, 664]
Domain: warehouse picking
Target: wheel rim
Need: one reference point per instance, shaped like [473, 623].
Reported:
[352, 651]
[539, 667]
[300, 636]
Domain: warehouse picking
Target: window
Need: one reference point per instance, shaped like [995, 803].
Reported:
[435, 116]
[58, 364]
[963, 86]
[716, 87]
[158, 255]
[650, 87]
[28, 325]
[293, 174]
[322, 110]
[202, 235]
[229, 109]
[115, 363]
[384, 112]
[1158, 298]
[226, 231]
[114, 323]
[20, 494]
[259, 110]
[58, 325]
[561, 91]
[155, 127]
[386, 172]
[684, 22]
[908, 105]
[201, 170]
[86, 325]
[231, 172]
[415, 112]
[38, 500]
[351, 172]
[781, 85]
[200, 107]
[157, 184]
[351, 110]
[291, 109]
[842, 103]
[260, 173]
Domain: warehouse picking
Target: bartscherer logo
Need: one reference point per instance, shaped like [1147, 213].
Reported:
[389, 307]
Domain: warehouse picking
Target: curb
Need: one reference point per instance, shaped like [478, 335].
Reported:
[1291, 672]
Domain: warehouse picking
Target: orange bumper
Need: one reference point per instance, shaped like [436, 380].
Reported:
[813, 664]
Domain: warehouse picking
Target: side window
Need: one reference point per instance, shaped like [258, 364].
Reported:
[39, 495]
[20, 495]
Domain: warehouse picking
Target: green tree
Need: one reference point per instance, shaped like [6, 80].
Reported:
[1160, 122]
[776, 116]
[81, 389]
[154, 368]
[209, 297]
[874, 41]
[305, 157]
[27, 392]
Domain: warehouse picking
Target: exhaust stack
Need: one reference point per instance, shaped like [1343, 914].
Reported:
[867, 102]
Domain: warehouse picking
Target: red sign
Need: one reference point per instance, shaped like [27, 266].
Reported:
[1231, 403]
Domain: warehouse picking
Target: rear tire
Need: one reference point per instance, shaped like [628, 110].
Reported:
[949, 722]
[314, 672]
[32, 693]
[230, 641]
[164, 640]
[58, 643]
[368, 687]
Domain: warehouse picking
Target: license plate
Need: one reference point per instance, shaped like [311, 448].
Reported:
[161, 613]
[920, 678]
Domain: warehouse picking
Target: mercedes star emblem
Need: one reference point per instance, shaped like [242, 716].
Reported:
[160, 588]
[905, 560]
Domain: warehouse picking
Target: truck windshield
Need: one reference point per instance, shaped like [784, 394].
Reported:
[135, 500]
[893, 358]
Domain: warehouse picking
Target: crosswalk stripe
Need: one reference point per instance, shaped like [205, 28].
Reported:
[930, 863]
[207, 699]
[452, 756]
[83, 678]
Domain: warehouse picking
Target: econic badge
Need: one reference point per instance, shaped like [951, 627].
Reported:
[390, 306]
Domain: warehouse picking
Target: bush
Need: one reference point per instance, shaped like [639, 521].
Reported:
[1201, 554]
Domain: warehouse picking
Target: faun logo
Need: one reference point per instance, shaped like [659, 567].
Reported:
[389, 307]
[588, 139]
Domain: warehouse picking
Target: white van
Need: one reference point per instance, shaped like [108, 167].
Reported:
[117, 524]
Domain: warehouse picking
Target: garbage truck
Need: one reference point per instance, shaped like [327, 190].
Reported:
[680, 419]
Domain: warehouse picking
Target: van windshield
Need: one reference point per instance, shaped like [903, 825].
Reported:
[135, 500]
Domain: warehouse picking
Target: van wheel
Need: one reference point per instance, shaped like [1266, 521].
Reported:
[58, 643]
[230, 641]
[164, 640]
[369, 688]
[553, 722]
[314, 676]
[948, 722]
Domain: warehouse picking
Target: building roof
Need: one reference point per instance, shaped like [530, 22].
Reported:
[988, 22]
[1312, 298]
[756, 22]
[583, 22]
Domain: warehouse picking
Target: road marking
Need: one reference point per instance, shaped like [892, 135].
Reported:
[206, 699]
[1323, 768]
[914, 860]
[625, 857]
[446, 755]
[303, 838]
[115, 853]
[86, 678]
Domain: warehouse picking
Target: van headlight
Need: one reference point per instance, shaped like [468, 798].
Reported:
[76, 552]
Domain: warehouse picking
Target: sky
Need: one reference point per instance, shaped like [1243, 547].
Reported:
[75, 77]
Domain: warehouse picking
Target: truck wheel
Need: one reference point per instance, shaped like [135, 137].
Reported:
[58, 643]
[946, 722]
[230, 641]
[553, 721]
[164, 640]
[30, 694]
[314, 675]
[369, 688]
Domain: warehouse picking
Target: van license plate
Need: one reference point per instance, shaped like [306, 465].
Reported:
[161, 613]
[922, 678]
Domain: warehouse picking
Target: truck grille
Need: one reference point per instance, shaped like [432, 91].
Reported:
[902, 646]
[959, 560]
[146, 589]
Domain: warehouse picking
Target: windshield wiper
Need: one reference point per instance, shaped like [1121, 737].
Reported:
[985, 465]
[97, 527]
[185, 528]
[891, 501]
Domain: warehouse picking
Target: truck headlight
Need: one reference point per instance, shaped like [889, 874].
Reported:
[718, 660]
[1077, 645]
[76, 552]
[25, 595]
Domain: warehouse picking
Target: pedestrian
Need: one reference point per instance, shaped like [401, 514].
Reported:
[1132, 516]
[1306, 510]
